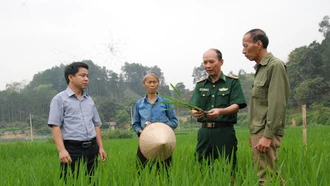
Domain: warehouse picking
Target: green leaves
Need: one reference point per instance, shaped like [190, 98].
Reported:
[179, 102]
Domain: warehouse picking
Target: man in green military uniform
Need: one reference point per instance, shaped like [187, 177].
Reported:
[220, 97]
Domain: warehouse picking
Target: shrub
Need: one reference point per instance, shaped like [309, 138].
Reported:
[242, 119]
[118, 134]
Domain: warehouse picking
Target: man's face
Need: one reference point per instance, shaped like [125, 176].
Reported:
[212, 64]
[80, 80]
[151, 84]
[250, 48]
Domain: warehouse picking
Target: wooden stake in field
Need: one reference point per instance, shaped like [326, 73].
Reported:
[31, 127]
[304, 128]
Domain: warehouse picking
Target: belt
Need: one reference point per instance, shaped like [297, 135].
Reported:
[216, 124]
[83, 144]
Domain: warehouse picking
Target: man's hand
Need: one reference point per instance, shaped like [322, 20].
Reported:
[214, 113]
[198, 114]
[65, 156]
[263, 144]
[103, 154]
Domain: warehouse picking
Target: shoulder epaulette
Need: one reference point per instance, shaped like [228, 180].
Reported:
[201, 80]
[232, 77]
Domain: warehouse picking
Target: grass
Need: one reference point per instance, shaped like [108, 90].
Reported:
[36, 163]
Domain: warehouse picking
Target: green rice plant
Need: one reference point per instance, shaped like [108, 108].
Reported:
[179, 102]
[36, 163]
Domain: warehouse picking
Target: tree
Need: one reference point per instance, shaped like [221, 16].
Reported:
[108, 108]
[41, 97]
[308, 70]
[122, 117]
[325, 46]
[133, 76]
[325, 26]
[199, 73]
[311, 91]
[54, 76]
[305, 65]
[181, 88]
[98, 78]
[16, 86]
[246, 81]
[114, 86]
[39, 123]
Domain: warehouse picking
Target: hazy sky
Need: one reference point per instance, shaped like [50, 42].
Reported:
[173, 34]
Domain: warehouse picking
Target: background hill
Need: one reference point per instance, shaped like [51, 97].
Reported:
[115, 94]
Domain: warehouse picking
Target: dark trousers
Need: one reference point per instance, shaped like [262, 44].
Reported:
[214, 143]
[80, 154]
[142, 161]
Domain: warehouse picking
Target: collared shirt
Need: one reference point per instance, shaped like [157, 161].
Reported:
[157, 112]
[76, 118]
[269, 99]
[224, 92]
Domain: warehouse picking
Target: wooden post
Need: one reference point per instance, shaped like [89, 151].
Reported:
[31, 127]
[304, 125]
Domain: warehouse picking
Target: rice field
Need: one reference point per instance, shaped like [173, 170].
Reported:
[36, 163]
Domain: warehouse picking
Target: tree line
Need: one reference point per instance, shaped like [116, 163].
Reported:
[115, 93]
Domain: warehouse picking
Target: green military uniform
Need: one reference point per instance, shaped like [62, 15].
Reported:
[220, 137]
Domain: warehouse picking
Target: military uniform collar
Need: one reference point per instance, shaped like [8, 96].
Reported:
[264, 60]
[222, 76]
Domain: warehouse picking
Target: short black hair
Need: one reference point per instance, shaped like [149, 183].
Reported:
[258, 34]
[73, 68]
[219, 54]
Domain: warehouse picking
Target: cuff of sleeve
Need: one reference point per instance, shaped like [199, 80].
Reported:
[53, 123]
[137, 132]
[269, 133]
[242, 105]
[98, 124]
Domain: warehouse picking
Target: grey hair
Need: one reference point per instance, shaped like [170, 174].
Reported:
[149, 73]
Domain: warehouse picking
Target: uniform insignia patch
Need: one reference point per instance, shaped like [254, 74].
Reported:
[223, 89]
[201, 80]
[203, 89]
[233, 77]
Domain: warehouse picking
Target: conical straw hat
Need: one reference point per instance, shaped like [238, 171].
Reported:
[157, 141]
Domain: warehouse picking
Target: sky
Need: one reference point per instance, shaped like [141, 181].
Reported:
[37, 35]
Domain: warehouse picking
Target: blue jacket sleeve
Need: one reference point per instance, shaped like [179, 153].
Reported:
[173, 120]
[136, 120]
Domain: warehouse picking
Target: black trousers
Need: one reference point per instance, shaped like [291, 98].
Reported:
[142, 161]
[81, 153]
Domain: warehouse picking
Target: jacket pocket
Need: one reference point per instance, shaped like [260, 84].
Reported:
[260, 90]
[223, 98]
[205, 98]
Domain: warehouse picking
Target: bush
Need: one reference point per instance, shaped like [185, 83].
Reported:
[317, 114]
[118, 134]
[242, 119]
[296, 116]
